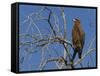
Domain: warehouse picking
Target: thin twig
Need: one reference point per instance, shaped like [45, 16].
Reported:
[64, 20]
[52, 28]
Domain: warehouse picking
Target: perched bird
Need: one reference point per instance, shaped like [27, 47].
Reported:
[78, 38]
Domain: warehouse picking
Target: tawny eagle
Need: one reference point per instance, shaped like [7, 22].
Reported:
[78, 38]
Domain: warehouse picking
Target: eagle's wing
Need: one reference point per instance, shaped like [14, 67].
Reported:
[82, 36]
[74, 36]
[83, 39]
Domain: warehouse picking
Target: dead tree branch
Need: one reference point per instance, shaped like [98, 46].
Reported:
[87, 53]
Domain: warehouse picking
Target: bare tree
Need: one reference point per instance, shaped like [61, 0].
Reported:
[38, 40]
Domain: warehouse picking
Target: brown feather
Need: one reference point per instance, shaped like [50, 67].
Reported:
[78, 37]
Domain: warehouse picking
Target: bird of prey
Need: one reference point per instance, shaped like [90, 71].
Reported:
[78, 38]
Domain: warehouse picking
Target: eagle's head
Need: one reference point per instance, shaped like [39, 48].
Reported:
[76, 21]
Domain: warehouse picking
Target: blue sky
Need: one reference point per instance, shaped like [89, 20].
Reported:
[87, 17]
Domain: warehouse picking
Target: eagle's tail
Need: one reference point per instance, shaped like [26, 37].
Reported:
[80, 54]
[74, 54]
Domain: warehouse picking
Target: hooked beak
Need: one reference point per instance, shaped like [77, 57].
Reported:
[74, 20]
